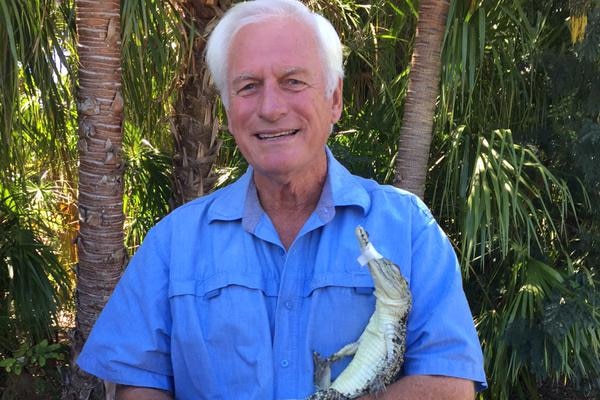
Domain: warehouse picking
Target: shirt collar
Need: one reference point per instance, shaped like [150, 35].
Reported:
[341, 189]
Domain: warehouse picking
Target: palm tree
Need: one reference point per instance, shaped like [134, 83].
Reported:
[196, 125]
[100, 107]
[423, 90]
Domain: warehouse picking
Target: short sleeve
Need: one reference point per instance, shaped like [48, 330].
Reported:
[441, 337]
[130, 342]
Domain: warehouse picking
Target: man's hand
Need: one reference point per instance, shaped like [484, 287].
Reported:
[141, 393]
[425, 387]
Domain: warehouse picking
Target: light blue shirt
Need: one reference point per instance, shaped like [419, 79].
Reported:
[212, 306]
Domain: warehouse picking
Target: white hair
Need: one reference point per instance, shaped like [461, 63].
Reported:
[250, 12]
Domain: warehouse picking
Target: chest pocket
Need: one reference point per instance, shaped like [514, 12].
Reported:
[341, 305]
[221, 333]
[226, 303]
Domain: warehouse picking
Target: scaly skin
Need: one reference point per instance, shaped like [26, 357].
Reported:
[379, 351]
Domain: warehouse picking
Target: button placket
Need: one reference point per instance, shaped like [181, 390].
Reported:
[286, 345]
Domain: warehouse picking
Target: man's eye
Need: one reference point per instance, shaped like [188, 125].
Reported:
[247, 88]
[295, 84]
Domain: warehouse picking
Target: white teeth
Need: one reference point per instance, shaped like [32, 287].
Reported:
[276, 135]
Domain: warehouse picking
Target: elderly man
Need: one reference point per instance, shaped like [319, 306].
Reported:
[229, 295]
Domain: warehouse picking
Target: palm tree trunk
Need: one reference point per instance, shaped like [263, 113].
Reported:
[423, 90]
[100, 243]
[195, 126]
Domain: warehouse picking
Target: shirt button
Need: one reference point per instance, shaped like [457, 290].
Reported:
[289, 305]
[284, 363]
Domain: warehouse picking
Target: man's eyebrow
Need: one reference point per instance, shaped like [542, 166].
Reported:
[294, 70]
[243, 77]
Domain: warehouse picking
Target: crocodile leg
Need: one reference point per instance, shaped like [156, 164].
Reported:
[322, 375]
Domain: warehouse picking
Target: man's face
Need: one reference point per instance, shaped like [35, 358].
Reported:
[278, 111]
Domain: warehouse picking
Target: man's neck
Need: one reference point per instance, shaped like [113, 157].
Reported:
[289, 203]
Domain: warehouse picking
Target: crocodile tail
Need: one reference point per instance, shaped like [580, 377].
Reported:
[330, 394]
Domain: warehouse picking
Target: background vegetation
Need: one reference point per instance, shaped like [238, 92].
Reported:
[514, 169]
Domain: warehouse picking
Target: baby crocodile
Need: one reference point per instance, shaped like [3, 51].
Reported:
[379, 351]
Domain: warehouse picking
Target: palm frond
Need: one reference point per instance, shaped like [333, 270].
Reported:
[148, 188]
[156, 47]
[34, 284]
[36, 42]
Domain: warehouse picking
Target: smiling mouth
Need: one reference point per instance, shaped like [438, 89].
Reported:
[277, 135]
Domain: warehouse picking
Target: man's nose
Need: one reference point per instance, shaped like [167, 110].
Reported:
[273, 104]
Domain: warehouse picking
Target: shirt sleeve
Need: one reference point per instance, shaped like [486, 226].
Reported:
[130, 342]
[441, 336]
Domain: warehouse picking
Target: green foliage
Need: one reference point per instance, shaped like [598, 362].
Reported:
[35, 44]
[34, 371]
[572, 313]
[148, 189]
[156, 47]
[545, 328]
[32, 357]
[501, 195]
[512, 182]
[37, 164]
[33, 284]
[587, 155]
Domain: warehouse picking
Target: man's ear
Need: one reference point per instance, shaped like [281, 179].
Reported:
[337, 101]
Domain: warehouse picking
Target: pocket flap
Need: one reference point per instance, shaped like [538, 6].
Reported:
[212, 286]
[361, 283]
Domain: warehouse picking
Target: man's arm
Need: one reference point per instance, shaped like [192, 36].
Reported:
[141, 393]
[425, 387]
